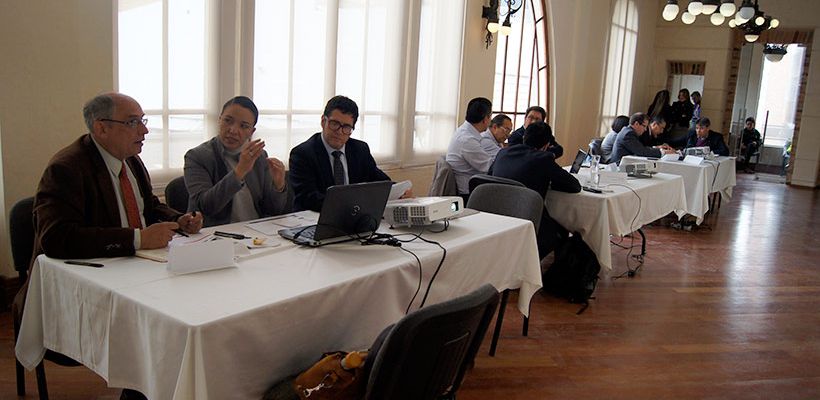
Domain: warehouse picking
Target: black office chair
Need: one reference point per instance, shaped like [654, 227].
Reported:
[480, 179]
[512, 201]
[21, 235]
[424, 356]
[176, 194]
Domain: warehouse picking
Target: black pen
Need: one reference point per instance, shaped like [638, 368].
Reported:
[181, 232]
[84, 263]
[231, 235]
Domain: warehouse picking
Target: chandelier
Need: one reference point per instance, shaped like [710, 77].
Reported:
[749, 18]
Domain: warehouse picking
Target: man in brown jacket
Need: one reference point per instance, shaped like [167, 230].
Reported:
[95, 199]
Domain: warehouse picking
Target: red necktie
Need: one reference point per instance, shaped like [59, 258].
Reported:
[130, 201]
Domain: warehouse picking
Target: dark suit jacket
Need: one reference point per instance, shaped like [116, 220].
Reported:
[76, 210]
[536, 169]
[627, 143]
[311, 173]
[714, 140]
[517, 137]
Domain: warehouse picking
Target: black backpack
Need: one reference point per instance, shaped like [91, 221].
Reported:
[574, 273]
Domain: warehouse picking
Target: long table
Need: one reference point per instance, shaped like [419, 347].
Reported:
[231, 333]
[620, 210]
[711, 176]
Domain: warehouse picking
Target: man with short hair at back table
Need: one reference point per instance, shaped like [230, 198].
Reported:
[627, 143]
[535, 114]
[532, 164]
[465, 154]
[94, 198]
[703, 136]
[331, 157]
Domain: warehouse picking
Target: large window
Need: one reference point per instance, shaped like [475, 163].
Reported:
[779, 89]
[400, 62]
[521, 69]
[623, 38]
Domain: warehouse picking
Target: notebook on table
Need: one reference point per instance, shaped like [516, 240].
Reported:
[348, 212]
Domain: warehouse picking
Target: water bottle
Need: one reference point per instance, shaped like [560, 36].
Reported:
[594, 177]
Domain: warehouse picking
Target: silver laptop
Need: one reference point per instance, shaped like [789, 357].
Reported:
[348, 212]
[581, 159]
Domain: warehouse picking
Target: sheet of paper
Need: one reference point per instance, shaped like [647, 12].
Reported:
[271, 226]
[398, 189]
[693, 160]
[201, 256]
[670, 157]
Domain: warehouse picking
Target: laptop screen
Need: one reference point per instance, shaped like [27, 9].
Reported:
[579, 159]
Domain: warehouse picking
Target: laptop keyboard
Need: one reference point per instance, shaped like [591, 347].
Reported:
[308, 232]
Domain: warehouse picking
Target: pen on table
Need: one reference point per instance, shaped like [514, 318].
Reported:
[84, 263]
[181, 232]
[231, 235]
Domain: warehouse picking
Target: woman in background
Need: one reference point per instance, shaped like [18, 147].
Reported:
[660, 106]
[230, 177]
[682, 110]
[609, 140]
[696, 111]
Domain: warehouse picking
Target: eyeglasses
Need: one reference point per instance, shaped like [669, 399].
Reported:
[131, 123]
[336, 125]
[228, 121]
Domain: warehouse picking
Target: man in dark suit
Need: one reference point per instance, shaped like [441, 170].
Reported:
[94, 198]
[532, 115]
[628, 141]
[532, 164]
[331, 157]
[703, 136]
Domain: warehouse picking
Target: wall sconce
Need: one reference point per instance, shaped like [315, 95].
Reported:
[490, 13]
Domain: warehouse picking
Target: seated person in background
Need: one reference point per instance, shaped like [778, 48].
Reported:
[94, 198]
[703, 136]
[465, 154]
[331, 157]
[230, 177]
[494, 137]
[627, 143]
[750, 141]
[609, 140]
[653, 135]
[535, 114]
[534, 166]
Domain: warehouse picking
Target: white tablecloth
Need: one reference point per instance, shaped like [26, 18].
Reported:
[698, 180]
[231, 333]
[619, 211]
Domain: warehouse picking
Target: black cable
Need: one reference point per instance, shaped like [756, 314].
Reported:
[629, 271]
[418, 288]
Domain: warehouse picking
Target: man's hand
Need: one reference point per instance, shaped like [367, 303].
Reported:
[277, 171]
[157, 235]
[191, 222]
[247, 157]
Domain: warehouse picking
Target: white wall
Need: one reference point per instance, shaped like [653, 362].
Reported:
[55, 55]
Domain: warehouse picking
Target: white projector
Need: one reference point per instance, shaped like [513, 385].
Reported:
[697, 151]
[422, 210]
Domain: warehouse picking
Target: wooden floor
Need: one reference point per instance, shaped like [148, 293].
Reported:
[731, 310]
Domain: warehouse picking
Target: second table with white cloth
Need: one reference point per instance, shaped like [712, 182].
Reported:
[620, 210]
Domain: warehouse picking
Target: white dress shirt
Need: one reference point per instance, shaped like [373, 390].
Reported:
[466, 156]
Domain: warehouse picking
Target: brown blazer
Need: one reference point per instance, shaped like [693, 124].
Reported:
[76, 212]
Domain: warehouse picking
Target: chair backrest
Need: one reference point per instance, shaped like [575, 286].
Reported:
[509, 200]
[176, 194]
[444, 181]
[426, 353]
[21, 234]
[595, 147]
[480, 179]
